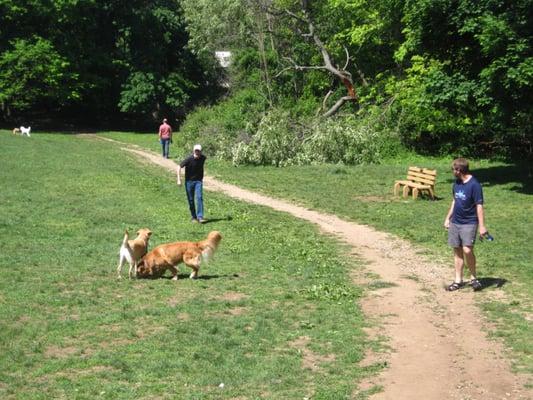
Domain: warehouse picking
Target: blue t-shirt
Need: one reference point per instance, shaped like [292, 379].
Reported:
[467, 196]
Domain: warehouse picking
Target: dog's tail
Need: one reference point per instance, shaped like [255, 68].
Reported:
[207, 254]
[125, 243]
[210, 245]
[126, 246]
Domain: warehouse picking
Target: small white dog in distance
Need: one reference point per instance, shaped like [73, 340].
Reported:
[133, 250]
[25, 131]
[22, 130]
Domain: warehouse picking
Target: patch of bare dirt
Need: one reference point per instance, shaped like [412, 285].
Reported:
[310, 360]
[60, 352]
[77, 373]
[235, 311]
[183, 316]
[440, 349]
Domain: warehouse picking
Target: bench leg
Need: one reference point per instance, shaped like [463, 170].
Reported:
[431, 193]
[396, 188]
[415, 193]
[405, 191]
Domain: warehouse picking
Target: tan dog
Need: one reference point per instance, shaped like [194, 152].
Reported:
[133, 250]
[169, 255]
[22, 131]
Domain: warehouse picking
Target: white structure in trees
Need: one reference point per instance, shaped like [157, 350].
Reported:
[224, 58]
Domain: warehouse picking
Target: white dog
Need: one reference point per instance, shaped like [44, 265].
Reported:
[133, 250]
[25, 131]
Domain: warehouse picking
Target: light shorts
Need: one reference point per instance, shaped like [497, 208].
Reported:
[462, 235]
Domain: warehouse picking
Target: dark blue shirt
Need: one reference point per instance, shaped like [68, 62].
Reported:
[194, 168]
[467, 196]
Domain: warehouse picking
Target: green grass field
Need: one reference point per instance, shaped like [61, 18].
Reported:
[70, 329]
[277, 292]
[364, 194]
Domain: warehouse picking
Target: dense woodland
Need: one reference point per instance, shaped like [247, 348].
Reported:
[309, 81]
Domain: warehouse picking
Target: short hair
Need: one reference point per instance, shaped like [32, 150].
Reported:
[164, 120]
[461, 164]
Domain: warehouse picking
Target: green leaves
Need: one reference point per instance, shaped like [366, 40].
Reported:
[33, 71]
[143, 91]
[138, 93]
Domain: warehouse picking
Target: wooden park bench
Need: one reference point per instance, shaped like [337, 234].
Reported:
[418, 180]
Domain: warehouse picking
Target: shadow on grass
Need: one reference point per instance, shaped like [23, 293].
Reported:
[489, 281]
[521, 175]
[210, 220]
[200, 278]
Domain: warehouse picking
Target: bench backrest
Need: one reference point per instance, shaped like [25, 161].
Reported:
[422, 175]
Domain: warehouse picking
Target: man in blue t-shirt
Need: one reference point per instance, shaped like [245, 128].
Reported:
[462, 222]
[194, 175]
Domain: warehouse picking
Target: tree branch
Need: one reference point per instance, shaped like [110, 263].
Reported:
[338, 105]
[342, 74]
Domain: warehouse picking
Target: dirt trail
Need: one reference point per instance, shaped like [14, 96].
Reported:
[439, 348]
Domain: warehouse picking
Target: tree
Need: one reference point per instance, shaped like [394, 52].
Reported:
[484, 49]
[114, 56]
[33, 72]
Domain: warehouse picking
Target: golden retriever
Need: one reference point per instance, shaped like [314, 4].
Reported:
[169, 255]
[133, 250]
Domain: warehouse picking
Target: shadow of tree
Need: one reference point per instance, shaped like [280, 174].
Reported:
[521, 175]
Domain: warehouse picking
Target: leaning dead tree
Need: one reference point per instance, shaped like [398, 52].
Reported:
[340, 73]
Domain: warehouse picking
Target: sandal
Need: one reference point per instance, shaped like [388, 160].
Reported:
[455, 286]
[476, 285]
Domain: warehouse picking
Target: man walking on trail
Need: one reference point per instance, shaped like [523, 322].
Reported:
[194, 175]
[462, 222]
[165, 137]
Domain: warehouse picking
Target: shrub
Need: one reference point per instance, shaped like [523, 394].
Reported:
[348, 140]
[281, 140]
[218, 128]
[276, 142]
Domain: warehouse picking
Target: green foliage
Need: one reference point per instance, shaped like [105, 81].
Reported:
[484, 50]
[281, 140]
[217, 24]
[431, 109]
[143, 91]
[220, 126]
[138, 92]
[137, 56]
[349, 140]
[276, 142]
[449, 75]
[32, 71]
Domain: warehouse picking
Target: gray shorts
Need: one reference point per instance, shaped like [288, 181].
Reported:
[462, 235]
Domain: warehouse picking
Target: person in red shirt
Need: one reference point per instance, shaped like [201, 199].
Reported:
[165, 137]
